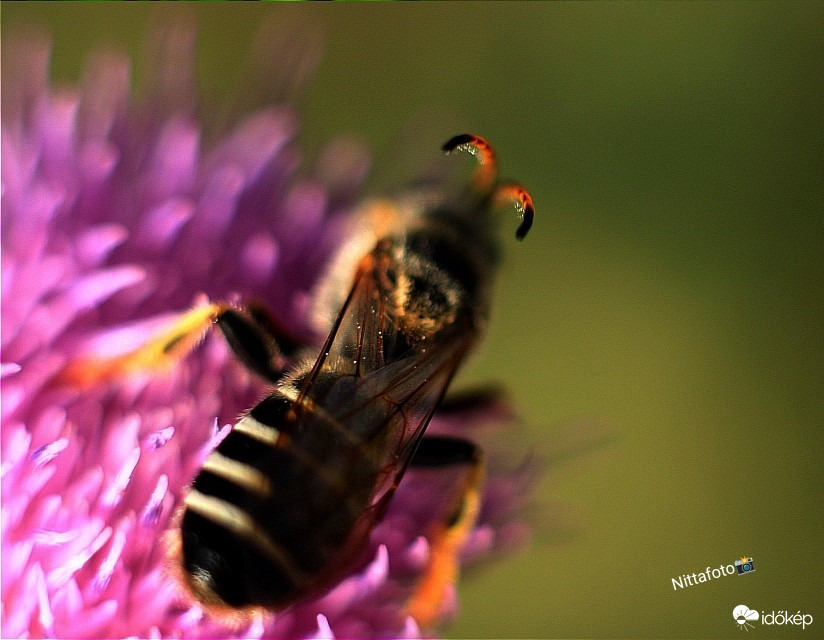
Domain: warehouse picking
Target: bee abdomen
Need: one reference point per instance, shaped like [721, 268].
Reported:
[265, 517]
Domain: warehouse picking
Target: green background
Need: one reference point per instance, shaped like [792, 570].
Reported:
[669, 297]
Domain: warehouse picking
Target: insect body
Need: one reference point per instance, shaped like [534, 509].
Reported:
[285, 503]
[287, 500]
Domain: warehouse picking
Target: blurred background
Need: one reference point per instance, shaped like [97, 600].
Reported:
[670, 295]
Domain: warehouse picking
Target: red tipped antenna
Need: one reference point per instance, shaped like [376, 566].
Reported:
[487, 172]
[512, 191]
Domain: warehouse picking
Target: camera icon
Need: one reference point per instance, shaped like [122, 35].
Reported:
[744, 565]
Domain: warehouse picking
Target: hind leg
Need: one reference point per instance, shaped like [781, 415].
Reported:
[452, 528]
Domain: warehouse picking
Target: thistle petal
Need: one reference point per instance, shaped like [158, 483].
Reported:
[116, 217]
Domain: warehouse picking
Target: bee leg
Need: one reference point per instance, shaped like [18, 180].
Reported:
[449, 533]
[481, 399]
[255, 340]
[248, 335]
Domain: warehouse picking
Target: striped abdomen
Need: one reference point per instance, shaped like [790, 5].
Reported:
[273, 508]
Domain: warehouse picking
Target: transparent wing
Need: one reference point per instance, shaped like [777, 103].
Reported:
[375, 380]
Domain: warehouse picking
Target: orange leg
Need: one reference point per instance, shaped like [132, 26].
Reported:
[449, 535]
[246, 329]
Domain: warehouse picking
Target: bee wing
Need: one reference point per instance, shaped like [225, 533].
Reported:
[371, 378]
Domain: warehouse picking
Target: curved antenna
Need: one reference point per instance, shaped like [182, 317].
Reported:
[487, 172]
[512, 191]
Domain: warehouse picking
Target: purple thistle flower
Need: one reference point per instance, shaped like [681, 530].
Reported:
[117, 217]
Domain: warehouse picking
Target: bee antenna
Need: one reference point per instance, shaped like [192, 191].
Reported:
[512, 191]
[487, 171]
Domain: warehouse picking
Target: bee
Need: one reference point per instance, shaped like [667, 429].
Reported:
[285, 504]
